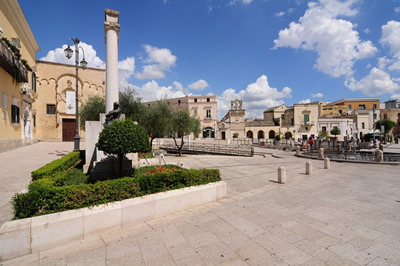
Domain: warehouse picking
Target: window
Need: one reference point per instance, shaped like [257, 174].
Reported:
[384, 116]
[306, 119]
[14, 114]
[361, 106]
[398, 114]
[208, 114]
[349, 107]
[4, 100]
[363, 125]
[179, 102]
[195, 100]
[50, 109]
[340, 111]
[208, 100]
[323, 128]
[374, 106]
[34, 81]
[34, 120]
[195, 111]
[374, 116]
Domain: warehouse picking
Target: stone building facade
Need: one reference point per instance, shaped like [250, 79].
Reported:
[55, 104]
[203, 107]
[17, 77]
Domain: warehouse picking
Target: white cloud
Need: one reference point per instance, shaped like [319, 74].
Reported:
[391, 37]
[151, 91]
[317, 95]
[198, 85]
[58, 56]
[280, 14]
[162, 60]
[244, 2]
[397, 9]
[178, 86]
[304, 101]
[126, 68]
[367, 31]
[257, 97]
[377, 82]
[337, 44]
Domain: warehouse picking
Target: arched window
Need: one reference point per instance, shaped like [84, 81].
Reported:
[271, 134]
[249, 134]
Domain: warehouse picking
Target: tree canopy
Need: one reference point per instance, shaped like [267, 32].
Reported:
[335, 131]
[388, 125]
[90, 111]
[183, 124]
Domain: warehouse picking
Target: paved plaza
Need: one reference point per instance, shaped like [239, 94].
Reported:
[346, 215]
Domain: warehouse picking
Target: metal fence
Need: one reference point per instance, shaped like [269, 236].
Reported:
[207, 148]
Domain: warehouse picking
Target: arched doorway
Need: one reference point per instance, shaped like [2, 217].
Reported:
[260, 134]
[361, 135]
[249, 134]
[271, 134]
[288, 135]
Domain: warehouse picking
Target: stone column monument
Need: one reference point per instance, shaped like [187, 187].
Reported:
[111, 31]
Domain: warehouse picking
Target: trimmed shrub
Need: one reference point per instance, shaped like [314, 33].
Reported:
[50, 194]
[59, 165]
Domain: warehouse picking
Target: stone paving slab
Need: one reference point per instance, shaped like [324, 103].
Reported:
[346, 215]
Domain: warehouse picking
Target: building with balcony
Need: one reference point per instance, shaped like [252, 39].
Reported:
[203, 107]
[18, 48]
[55, 103]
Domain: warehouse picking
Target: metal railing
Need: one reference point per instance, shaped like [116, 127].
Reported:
[8, 60]
[206, 148]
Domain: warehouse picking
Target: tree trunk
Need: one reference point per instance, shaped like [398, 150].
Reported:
[151, 144]
[180, 148]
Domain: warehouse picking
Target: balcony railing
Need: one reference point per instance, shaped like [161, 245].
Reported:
[307, 123]
[11, 63]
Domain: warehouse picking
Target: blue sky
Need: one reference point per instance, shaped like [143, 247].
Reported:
[264, 52]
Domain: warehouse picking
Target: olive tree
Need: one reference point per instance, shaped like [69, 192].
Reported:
[90, 111]
[183, 124]
[335, 131]
[122, 137]
[387, 124]
[157, 120]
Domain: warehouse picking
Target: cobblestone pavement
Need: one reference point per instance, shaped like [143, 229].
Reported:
[346, 215]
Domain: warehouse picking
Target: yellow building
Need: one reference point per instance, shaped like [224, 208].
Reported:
[344, 106]
[55, 103]
[18, 49]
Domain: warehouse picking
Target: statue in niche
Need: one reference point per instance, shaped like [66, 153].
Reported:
[113, 115]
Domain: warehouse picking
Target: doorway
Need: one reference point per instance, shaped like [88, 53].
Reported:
[68, 129]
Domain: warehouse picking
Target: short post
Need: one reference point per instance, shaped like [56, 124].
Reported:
[281, 175]
[339, 147]
[379, 156]
[161, 159]
[327, 163]
[297, 150]
[309, 170]
[180, 164]
[321, 153]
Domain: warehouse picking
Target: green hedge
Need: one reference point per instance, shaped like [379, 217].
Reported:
[47, 195]
[59, 165]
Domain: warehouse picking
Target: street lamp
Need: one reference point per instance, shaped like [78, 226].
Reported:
[68, 53]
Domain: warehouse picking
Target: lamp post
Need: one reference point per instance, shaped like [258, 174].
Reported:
[68, 53]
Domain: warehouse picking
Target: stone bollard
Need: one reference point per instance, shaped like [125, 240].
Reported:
[308, 147]
[327, 163]
[321, 153]
[309, 170]
[297, 150]
[180, 164]
[161, 159]
[339, 147]
[281, 175]
[379, 156]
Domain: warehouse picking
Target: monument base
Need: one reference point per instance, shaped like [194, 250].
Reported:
[108, 168]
